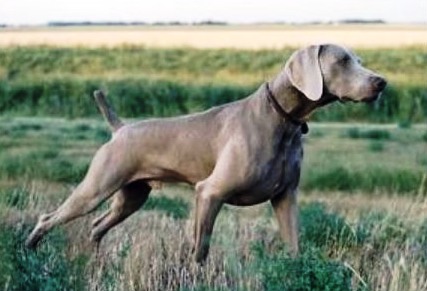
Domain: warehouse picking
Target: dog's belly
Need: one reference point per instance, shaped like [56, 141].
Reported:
[164, 175]
[263, 191]
[248, 199]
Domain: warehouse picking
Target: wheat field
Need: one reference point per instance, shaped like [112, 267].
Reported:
[234, 36]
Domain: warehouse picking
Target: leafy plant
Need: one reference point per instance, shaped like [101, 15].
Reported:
[376, 146]
[325, 229]
[48, 269]
[376, 134]
[44, 165]
[370, 179]
[174, 207]
[308, 272]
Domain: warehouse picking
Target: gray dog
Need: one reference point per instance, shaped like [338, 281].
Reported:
[242, 153]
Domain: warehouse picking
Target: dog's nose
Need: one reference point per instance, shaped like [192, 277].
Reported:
[379, 83]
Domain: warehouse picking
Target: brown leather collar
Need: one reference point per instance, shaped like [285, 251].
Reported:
[273, 101]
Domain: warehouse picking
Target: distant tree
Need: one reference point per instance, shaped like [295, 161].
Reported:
[210, 22]
[98, 23]
[361, 21]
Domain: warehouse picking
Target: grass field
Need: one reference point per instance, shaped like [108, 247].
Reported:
[363, 205]
[165, 82]
[363, 218]
[214, 37]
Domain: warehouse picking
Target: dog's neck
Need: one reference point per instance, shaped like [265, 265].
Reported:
[292, 100]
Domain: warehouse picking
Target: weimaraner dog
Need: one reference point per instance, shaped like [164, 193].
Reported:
[242, 153]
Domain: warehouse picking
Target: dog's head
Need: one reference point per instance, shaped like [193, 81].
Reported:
[325, 70]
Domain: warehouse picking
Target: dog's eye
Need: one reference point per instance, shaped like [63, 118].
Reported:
[345, 59]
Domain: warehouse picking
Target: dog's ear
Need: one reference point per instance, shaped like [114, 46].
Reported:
[304, 72]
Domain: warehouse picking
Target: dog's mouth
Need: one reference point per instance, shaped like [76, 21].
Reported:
[375, 92]
[372, 98]
[366, 99]
[345, 99]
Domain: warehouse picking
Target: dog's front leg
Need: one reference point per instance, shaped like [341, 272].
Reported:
[208, 205]
[285, 208]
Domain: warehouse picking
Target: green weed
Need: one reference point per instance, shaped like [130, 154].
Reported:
[174, 207]
[48, 269]
[310, 271]
[375, 134]
[322, 228]
[370, 179]
[404, 123]
[15, 197]
[376, 146]
[381, 229]
[43, 165]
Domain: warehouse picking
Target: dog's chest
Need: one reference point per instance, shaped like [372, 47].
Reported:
[285, 168]
[276, 174]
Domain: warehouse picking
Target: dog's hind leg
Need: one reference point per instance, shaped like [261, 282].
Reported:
[108, 172]
[126, 201]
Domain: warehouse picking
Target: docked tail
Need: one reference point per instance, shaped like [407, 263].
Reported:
[113, 121]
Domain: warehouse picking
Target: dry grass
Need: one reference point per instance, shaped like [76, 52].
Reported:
[158, 249]
[152, 251]
[241, 37]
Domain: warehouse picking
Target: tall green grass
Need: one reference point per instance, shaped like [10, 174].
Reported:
[369, 179]
[42, 165]
[166, 82]
[345, 159]
[48, 269]
[132, 97]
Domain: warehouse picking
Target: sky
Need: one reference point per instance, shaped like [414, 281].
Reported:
[24, 12]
